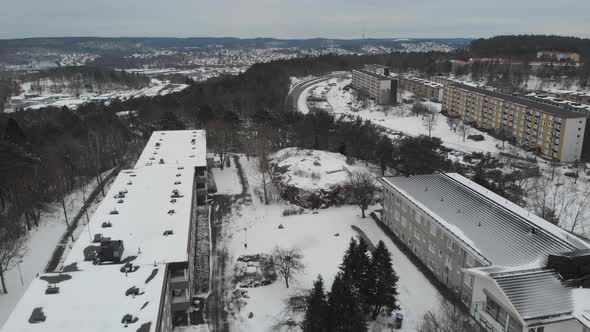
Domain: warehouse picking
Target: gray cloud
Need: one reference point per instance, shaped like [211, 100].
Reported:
[292, 19]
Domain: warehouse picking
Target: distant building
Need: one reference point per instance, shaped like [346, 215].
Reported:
[373, 82]
[553, 132]
[558, 56]
[489, 252]
[133, 265]
[422, 88]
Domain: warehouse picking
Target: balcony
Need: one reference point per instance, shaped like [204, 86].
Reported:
[179, 279]
[484, 320]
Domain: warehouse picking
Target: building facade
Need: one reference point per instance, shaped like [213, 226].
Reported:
[551, 131]
[422, 88]
[558, 56]
[488, 251]
[375, 85]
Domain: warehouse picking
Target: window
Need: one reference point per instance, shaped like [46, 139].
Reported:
[538, 329]
[432, 247]
[449, 262]
[433, 229]
[404, 221]
[468, 280]
[469, 260]
[417, 234]
[450, 244]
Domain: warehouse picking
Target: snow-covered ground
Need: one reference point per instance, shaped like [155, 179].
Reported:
[315, 236]
[73, 99]
[41, 243]
[227, 181]
[401, 119]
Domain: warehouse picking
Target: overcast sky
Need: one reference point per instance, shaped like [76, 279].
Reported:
[292, 19]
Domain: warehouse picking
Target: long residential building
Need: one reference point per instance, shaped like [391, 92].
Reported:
[132, 267]
[375, 82]
[553, 132]
[491, 253]
[422, 88]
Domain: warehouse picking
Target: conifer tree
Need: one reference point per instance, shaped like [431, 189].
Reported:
[383, 295]
[316, 315]
[345, 314]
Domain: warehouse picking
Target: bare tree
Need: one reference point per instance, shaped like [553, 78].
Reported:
[420, 109]
[429, 122]
[453, 123]
[449, 318]
[362, 186]
[287, 262]
[464, 130]
[12, 248]
[580, 211]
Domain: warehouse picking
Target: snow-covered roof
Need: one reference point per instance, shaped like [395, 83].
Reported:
[175, 147]
[502, 232]
[144, 213]
[536, 293]
[91, 300]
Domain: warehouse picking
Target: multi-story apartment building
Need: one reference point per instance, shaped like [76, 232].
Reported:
[558, 56]
[375, 84]
[553, 132]
[488, 251]
[422, 88]
[132, 266]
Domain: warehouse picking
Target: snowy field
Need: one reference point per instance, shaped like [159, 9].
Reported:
[227, 181]
[315, 236]
[41, 243]
[73, 99]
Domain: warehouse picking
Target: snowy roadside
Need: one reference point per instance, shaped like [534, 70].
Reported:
[41, 243]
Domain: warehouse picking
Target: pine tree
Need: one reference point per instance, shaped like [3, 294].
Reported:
[345, 314]
[356, 268]
[316, 315]
[383, 295]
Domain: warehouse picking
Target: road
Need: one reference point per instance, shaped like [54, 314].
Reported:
[215, 309]
[298, 89]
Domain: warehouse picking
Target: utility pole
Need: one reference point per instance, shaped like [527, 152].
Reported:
[245, 237]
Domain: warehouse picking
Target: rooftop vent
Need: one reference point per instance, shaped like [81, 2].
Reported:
[114, 211]
[129, 319]
[161, 161]
[133, 175]
[52, 290]
[107, 224]
[129, 268]
[152, 158]
[533, 230]
[157, 144]
[168, 232]
[173, 200]
[171, 211]
[177, 182]
[129, 183]
[120, 201]
[178, 175]
[133, 291]
[180, 167]
[37, 316]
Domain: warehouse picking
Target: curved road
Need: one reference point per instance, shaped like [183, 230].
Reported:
[293, 97]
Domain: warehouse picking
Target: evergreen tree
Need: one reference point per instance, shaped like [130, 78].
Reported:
[357, 271]
[345, 314]
[316, 315]
[383, 295]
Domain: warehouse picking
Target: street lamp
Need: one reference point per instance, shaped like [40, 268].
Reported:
[20, 273]
[246, 237]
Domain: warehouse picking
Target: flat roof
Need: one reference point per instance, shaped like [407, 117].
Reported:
[497, 229]
[175, 147]
[370, 73]
[144, 214]
[91, 300]
[545, 108]
[376, 65]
